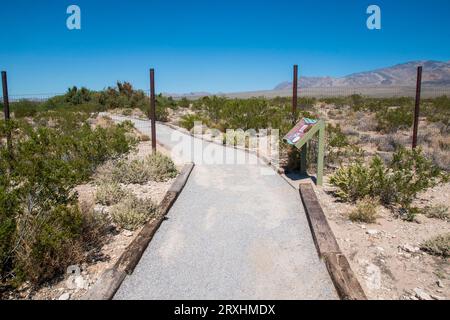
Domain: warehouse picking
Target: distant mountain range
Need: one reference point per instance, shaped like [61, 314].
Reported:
[435, 73]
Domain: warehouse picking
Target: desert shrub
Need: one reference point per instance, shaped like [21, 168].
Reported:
[393, 119]
[24, 108]
[335, 137]
[41, 228]
[438, 246]
[352, 181]
[161, 167]
[184, 103]
[131, 172]
[396, 183]
[53, 244]
[156, 167]
[188, 121]
[108, 194]
[438, 110]
[366, 211]
[127, 112]
[132, 212]
[437, 212]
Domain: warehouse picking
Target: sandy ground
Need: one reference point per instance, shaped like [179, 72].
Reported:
[385, 255]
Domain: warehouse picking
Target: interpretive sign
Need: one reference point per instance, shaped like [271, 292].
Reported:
[299, 131]
[302, 132]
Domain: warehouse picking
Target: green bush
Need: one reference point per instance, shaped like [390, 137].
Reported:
[41, 229]
[24, 108]
[188, 121]
[392, 119]
[335, 137]
[132, 212]
[398, 183]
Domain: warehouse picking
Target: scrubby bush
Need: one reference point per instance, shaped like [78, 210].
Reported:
[24, 108]
[41, 228]
[437, 212]
[188, 121]
[366, 211]
[132, 212]
[335, 137]
[108, 194]
[155, 167]
[392, 119]
[396, 183]
[438, 246]
[131, 172]
[161, 167]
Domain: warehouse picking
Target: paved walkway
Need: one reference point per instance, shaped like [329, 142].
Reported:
[235, 232]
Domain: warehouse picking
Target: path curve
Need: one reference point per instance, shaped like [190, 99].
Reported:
[236, 232]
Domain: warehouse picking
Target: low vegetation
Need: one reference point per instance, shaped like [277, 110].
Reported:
[366, 211]
[42, 227]
[437, 212]
[131, 212]
[109, 193]
[395, 184]
[155, 167]
[438, 246]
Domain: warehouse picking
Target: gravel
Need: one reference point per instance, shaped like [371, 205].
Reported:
[235, 232]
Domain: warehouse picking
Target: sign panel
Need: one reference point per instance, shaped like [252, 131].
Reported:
[299, 131]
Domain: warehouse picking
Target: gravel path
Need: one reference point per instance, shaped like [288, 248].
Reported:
[236, 232]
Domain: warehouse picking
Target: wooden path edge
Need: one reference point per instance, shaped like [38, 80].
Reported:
[344, 280]
[109, 282]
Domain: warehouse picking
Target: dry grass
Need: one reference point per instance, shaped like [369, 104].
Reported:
[438, 246]
[366, 211]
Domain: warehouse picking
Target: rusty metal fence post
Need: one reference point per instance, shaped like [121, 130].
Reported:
[152, 113]
[6, 111]
[294, 94]
[417, 107]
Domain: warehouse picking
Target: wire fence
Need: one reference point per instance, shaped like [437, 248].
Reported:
[322, 92]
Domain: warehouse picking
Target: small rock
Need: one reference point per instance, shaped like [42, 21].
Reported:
[64, 296]
[80, 283]
[421, 294]
[409, 248]
[439, 283]
[127, 233]
[380, 249]
[363, 227]
[435, 297]
[372, 232]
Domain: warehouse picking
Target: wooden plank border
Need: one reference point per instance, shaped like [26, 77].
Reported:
[344, 280]
[109, 282]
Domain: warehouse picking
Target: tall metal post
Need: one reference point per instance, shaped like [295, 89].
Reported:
[152, 113]
[417, 107]
[6, 110]
[294, 94]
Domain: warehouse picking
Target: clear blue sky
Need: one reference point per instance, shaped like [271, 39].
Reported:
[210, 45]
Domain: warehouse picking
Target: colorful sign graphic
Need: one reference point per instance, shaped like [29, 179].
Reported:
[299, 131]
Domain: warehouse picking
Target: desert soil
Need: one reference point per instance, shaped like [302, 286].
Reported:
[385, 256]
